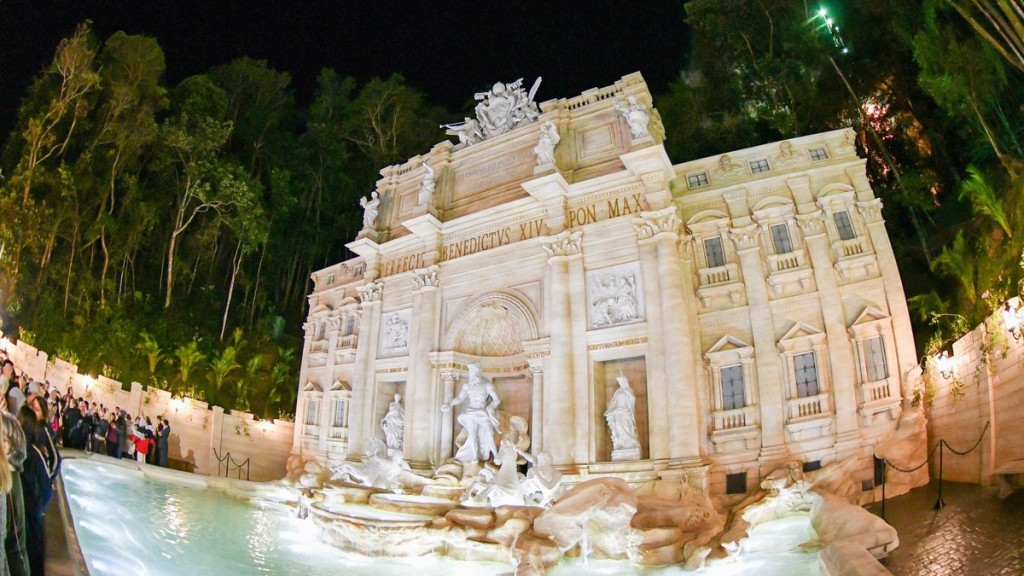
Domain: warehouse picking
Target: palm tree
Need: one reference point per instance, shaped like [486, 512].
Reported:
[220, 367]
[189, 357]
[150, 348]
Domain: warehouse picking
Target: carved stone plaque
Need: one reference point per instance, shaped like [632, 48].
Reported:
[615, 295]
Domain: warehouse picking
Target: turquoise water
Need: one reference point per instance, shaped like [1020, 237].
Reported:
[128, 524]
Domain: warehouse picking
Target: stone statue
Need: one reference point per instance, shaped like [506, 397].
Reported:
[621, 418]
[468, 132]
[542, 480]
[727, 168]
[396, 334]
[427, 185]
[479, 417]
[393, 424]
[636, 116]
[545, 148]
[502, 108]
[384, 468]
[371, 208]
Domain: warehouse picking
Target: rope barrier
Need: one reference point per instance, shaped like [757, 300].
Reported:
[972, 448]
[915, 468]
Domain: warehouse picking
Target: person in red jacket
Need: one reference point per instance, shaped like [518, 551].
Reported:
[142, 444]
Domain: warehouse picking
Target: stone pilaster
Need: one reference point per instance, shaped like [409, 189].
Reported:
[678, 395]
[364, 382]
[448, 379]
[770, 380]
[906, 354]
[537, 352]
[559, 412]
[843, 368]
[421, 414]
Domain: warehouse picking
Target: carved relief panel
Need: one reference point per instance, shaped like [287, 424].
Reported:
[394, 333]
[615, 295]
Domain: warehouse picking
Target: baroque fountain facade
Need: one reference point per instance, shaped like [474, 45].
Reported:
[672, 353]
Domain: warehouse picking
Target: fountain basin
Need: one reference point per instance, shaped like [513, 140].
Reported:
[412, 504]
[337, 491]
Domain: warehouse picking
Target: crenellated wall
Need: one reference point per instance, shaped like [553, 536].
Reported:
[199, 433]
[992, 392]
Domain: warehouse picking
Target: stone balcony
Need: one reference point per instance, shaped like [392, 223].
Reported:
[809, 417]
[720, 281]
[735, 430]
[311, 430]
[854, 258]
[338, 433]
[877, 398]
[789, 269]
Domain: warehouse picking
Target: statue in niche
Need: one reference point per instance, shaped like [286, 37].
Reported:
[479, 418]
[614, 300]
[371, 208]
[428, 185]
[621, 418]
[545, 148]
[396, 334]
[393, 424]
[727, 168]
[636, 115]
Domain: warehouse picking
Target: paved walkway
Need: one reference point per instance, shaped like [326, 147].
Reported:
[976, 533]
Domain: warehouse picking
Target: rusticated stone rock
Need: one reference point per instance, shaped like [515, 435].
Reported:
[479, 518]
[533, 555]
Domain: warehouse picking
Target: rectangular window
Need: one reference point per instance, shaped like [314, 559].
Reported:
[697, 180]
[812, 466]
[806, 375]
[715, 252]
[339, 414]
[758, 166]
[732, 388]
[780, 238]
[312, 411]
[874, 359]
[350, 324]
[844, 225]
[818, 154]
[321, 331]
[736, 483]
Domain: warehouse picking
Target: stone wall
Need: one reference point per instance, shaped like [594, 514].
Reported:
[992, 392]
[199, 433]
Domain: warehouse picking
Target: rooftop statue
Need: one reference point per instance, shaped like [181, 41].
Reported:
[371, 208]
[501, 109]
[545, 148]
[636, 115]
[428, 184]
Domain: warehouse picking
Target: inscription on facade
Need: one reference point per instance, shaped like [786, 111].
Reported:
[401, 264]
[492, 239]
[612, 208]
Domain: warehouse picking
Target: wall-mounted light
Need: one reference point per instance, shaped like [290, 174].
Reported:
[1012, 320]
[944, 362]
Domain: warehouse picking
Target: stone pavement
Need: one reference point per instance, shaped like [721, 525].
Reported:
[976, 533]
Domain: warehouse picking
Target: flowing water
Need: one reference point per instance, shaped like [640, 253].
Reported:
[128, 524]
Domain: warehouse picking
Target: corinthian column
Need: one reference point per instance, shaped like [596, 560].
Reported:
[769, 372]
[421, 412]
[839, 348]
[364, 382]
[673, 400]
[559, 420]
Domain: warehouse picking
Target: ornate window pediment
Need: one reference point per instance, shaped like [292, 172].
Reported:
[340, 386]
[312, 386]
[801, 337]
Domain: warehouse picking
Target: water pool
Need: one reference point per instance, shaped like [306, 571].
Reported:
[129, 524]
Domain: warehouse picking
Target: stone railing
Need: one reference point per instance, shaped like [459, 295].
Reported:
[808, 407]
[875, 391]
[197, 429]
[718, 275]
[788, 261]
[850, 248]
[736, 418]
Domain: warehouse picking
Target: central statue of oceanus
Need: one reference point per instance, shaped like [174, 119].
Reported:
[504, 107]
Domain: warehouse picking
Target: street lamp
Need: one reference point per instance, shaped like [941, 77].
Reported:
[944, 362]
[1012, 319]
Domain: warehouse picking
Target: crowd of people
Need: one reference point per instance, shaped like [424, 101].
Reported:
[35, 420]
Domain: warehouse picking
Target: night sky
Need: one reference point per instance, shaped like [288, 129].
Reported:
[449, 50]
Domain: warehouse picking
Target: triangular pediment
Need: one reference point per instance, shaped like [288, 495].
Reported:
[801, 330]
[869, 315]
[340, 385]
[312, 387]
[728, 343]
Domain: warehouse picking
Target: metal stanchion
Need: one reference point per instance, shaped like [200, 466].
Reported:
[939, 502]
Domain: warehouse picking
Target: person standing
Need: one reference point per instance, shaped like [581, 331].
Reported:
[162, 442]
